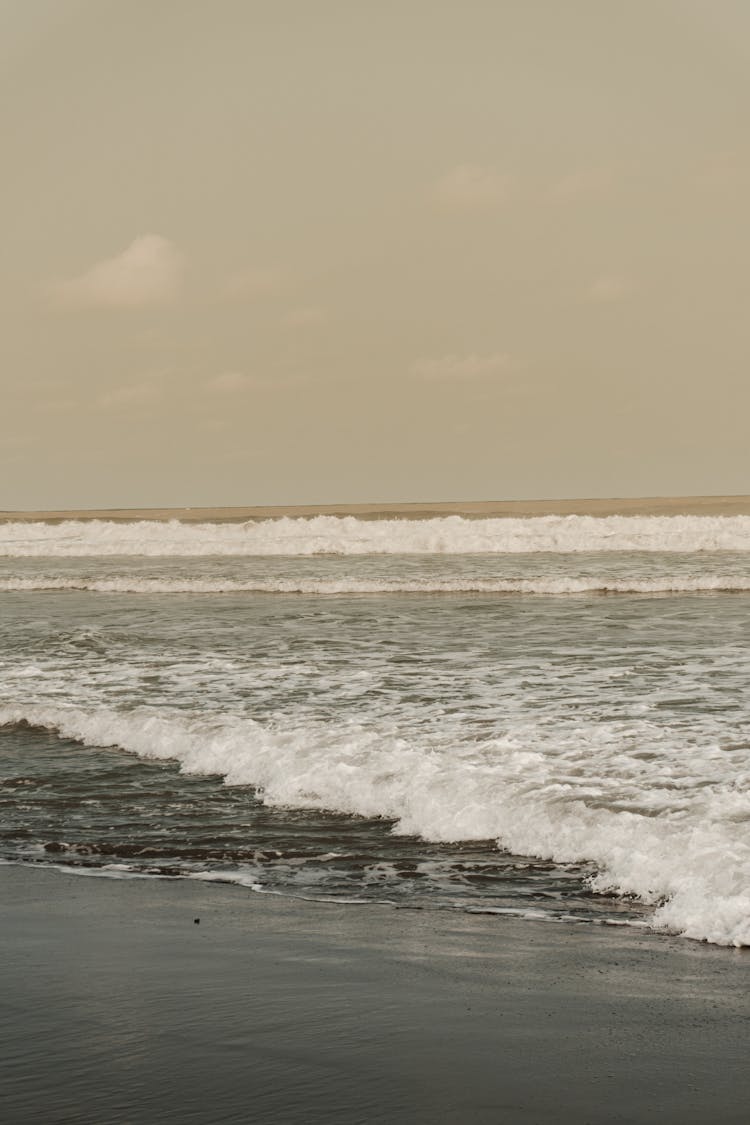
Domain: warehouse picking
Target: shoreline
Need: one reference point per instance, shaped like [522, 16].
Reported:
[119, 1008]
[478, 509]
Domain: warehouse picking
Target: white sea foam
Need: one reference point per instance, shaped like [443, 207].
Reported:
[307, 585]
[348, 536]
[670, 828]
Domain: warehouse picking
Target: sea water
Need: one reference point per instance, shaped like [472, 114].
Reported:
[545, 717]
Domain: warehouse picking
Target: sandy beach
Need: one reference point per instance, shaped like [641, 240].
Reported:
[472, 509]
[136, 1000]
[118, 1007]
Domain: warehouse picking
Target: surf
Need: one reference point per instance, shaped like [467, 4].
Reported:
[670, 835]
[334, 535]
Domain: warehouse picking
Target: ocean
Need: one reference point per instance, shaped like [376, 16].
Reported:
[544, 717]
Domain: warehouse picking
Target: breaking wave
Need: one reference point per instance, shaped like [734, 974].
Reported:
[672, 832]
[333, 535]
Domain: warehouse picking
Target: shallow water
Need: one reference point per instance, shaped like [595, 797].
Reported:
[104, 811]
[431, 742]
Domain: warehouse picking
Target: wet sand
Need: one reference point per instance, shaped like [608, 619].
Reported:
[117, 1007]
[643, 506]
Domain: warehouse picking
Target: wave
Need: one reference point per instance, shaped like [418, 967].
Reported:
[333, 535]
[544, 586]
[690, 860]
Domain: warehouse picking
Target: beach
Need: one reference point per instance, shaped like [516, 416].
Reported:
[396, 818]
[118, 1007]
[470, 509]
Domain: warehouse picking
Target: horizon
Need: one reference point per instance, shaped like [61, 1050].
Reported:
[726, 505]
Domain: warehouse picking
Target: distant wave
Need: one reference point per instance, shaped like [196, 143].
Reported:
[333, 535]
[690, 859]
[344, 586]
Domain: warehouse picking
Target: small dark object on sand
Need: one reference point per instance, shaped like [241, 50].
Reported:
[197, 921]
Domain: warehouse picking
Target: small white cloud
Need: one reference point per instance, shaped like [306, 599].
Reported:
[609, 288]
[461, 366]
[148, 272]
[471, 187]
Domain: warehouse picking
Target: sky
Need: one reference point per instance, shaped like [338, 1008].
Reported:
[285, 251]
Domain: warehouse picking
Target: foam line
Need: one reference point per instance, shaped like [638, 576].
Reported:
[333, 535]
[541, 586]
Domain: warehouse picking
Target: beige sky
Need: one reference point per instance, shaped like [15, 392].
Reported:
[337, 250]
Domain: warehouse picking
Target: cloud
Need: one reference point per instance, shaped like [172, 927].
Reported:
[608, 288]
[460, 367]
[470, 187]
[148, 272]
